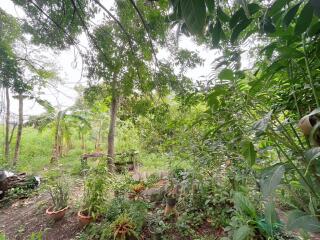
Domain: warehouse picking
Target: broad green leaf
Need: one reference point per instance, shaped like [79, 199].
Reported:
[253, 8]
[242, 233]
[240, 14]
[270, 182]
[213, 96]
[277, 6]
[290, 15]
[194, 15]
[210, 5]
[244, 205]
[270, 214]
[226, 74]
[242, 25]
[314, 29]
[249, 153]
[304, 19]
[236, 17]
[267, 25]
[312, 154]
[261, 126]
[289, 52]
[222, 15]
[300, 220]
[269, 49]
[216, 33]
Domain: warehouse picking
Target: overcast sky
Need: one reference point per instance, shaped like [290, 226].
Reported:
[64, 95]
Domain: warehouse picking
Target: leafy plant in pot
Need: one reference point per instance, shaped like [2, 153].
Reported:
[171, 200]
[136, 192]
[59, 193]
[124, 228]
[94, 199]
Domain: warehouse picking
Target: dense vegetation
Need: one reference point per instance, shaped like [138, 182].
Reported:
[222, 158]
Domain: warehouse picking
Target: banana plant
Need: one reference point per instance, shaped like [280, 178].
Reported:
[61, 122]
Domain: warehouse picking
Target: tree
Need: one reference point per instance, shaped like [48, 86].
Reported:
[9, 69]
[122, 68]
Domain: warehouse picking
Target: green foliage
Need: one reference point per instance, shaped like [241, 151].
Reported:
[244, 232]
[244, 205]
[55, 23]
[300, 220]
[249, 152]
[271, 179]
[123, 218]
[94, 198]
[208, 127]
[193, 13]
[59, 193]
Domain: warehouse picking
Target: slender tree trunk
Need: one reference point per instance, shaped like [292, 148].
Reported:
[82, 141]
[98, 140]
[12, 132]
[55, 150]
[19, 133]
[112, 132]
[7, 144]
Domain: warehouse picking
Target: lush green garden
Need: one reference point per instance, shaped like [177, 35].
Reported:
[148, 151]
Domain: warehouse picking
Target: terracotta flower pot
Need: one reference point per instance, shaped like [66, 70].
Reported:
[84, 219]
[305, 125]
[171, 201]
[56, 215]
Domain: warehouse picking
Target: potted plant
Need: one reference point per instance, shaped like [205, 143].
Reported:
[136, 192]
[94, 199]
[124, 228]
[59, 193]
[171, 198]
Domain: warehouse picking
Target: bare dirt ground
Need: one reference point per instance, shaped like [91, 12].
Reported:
[27, 216]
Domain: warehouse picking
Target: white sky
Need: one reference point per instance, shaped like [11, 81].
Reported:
[64, 95]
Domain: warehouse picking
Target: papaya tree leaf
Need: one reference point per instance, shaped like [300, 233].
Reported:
[304, 19]
[291, 13]
[300, 220]
[248, 152]
[242, 233]
[194, 15]
[270, 181]
[242, 25]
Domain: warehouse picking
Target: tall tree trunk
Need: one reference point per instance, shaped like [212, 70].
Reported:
[112, 132]
[7, 144]
[19, 133]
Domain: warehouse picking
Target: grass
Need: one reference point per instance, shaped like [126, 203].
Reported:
[36, 150]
